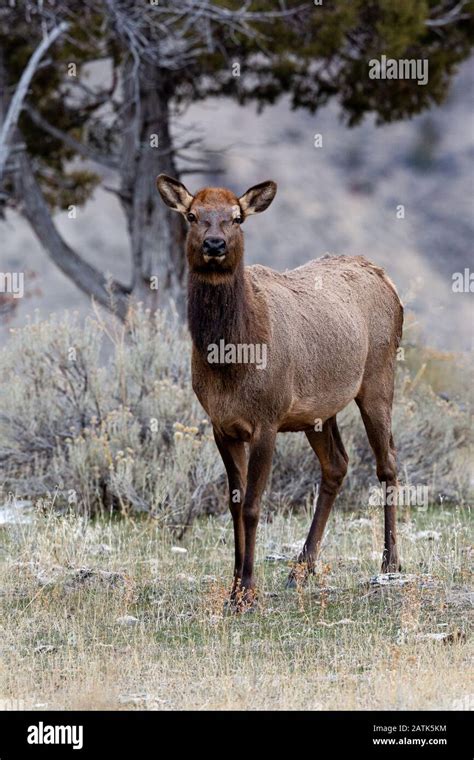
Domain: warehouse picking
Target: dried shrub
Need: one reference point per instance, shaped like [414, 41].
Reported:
[103, 417]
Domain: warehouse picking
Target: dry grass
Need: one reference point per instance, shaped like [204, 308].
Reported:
[338, 644]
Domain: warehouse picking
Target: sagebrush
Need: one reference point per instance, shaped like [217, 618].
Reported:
[103, 417]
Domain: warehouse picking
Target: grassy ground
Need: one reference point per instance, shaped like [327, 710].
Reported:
[113, 615]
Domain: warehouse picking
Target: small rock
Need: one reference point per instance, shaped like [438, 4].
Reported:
[403, 579]
[344, 621]
[132, 699]
[179, 550]
[293, 548]
[361, 521]
[275, 557]
[90, 577]
[127, 620]
[147, 700]
[460, 598]
[445, 637]
[427, 535]
[72, 577]
[46, 577]
[44, 649]
[101, 549]
[16, 511]
[186, 578]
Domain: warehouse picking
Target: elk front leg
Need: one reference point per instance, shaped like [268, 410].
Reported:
[260, 462]
[233, 455]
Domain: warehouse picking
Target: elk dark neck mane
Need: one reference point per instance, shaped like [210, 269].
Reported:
[223, 310]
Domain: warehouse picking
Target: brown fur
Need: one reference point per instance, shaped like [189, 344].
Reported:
[332, 328]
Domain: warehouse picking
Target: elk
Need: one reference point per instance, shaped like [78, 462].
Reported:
[331, 328]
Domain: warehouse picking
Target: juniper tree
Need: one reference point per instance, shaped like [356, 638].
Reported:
[158, 57]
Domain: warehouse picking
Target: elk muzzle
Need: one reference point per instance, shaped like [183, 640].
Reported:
[214, 248]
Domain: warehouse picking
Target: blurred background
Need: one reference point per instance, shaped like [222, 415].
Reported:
[236, 127]
[340, 198]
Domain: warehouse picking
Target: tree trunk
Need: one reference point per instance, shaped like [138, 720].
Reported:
[157, 234]
[108, 293]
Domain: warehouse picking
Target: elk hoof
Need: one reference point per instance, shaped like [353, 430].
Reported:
[299, 575]
[242, 600]
[391, 565]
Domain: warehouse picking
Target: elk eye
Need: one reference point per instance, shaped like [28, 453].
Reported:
[191, 217]
[238, 220]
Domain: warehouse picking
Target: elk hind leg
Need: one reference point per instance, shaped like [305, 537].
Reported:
[329, 449]
[376, 414]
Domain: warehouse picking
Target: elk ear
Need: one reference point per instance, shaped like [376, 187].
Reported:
[174, 193]
[258, 198]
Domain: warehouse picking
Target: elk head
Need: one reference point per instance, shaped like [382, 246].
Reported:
[215, 241]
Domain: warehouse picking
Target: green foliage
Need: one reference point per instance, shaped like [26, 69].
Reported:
[51, 93]
[73, 189]
[316, 53]
[324, 51]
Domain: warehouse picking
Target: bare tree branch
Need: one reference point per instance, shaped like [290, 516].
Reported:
[83, 150]
[186, 30]
[16, 103]
[111, 294]
[451, 16]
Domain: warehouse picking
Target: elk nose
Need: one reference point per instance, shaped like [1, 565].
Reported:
[213, 246]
